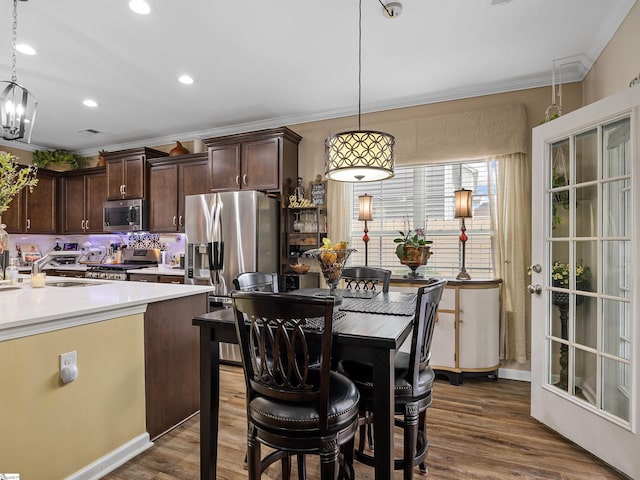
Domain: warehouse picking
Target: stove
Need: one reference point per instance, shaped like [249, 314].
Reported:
[132, 259]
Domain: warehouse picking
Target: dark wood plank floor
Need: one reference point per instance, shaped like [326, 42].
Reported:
[480, 430]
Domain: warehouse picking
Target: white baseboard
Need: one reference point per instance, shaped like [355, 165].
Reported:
[513, 374]
[113, 459]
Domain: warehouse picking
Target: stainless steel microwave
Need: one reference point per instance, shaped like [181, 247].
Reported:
[124, 215]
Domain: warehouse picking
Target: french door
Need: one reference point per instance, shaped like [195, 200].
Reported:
[584, 311]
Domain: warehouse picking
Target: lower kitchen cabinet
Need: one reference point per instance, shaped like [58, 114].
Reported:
[155, 278]
[172, 362]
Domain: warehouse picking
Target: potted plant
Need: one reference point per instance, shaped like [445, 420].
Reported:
[413, 249]
[560, 277]
[63, 159]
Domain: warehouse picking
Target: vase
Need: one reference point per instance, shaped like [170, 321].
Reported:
[4, 249]
[414, 257]
[332, 263]
[178, 150]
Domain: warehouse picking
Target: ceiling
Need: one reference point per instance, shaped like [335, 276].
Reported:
[261, 64]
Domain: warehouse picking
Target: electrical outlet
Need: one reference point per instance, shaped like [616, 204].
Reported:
[68, 367]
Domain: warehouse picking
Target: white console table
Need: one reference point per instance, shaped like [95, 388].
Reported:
[466, 336]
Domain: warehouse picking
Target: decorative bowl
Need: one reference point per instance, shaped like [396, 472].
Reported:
[331, 264]
[300, 267]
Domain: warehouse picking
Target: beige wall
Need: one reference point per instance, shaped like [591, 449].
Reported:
[50, 431]
[618, 63]
[311, 149]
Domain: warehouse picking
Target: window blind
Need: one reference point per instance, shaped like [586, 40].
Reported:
[423, 197]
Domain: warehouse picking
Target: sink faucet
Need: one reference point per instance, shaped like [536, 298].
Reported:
[37, 266]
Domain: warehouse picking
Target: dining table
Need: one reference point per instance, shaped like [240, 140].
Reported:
[368, 327]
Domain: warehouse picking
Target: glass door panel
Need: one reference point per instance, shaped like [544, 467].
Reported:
[586, 165]
[615, 149]
[586, 211]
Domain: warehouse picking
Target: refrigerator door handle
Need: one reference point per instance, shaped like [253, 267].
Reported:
[220, 260]
[210, 255]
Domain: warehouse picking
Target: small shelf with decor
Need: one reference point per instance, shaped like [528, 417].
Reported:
[306, 227]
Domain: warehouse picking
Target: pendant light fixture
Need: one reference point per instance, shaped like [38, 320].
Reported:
[359, 155]
[17, 105]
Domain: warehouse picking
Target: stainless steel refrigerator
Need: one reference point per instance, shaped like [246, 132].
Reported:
[229, 233]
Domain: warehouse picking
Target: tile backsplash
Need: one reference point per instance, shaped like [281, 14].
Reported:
[97, 245]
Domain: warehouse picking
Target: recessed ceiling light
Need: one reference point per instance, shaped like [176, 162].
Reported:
[140, 6]
[186, 79]
[89, 103]
[26, 49]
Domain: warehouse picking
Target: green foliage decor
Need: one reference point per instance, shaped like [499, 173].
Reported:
[14, 178]
[43, 158]
[560, 273]
[410, 239]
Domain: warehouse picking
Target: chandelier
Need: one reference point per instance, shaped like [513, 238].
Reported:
[359, 155]
[17, 105]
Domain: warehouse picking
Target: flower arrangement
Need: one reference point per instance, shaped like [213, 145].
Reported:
[13, 179]
[560, 273]
[410, 240]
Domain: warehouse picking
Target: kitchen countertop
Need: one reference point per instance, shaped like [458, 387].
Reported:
[29, 311]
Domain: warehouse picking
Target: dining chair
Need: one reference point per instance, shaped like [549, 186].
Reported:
[366, 278]
[293, 406]
[413, 384]
[256, 281]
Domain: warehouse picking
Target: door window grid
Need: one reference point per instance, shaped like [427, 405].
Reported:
[619, 167]
[422, 197]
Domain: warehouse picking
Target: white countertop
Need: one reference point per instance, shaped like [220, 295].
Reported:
[27, 311]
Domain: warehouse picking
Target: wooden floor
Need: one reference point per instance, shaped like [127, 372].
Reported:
[478, 430]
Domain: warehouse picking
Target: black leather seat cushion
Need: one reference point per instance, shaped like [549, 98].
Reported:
[362, 376]
[342, 408]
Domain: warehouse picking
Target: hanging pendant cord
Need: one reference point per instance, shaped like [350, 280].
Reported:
[385, 8]
[359, 63]
[14, 78]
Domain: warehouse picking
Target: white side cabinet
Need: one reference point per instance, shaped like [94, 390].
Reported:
[466, 336]
[467, 331]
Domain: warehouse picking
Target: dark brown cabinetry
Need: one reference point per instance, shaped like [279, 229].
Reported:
[152, 278]
[127, 172]
[172, 374]
[266, 160]
[83, 195]
[170, 180]
[35, 212]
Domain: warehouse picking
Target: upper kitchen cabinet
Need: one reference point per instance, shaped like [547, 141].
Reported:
[265, 160]
[83, 193]
[127, 172]
[35, 212]
[170, 180]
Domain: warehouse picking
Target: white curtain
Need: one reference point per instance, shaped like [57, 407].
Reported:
[512, 253]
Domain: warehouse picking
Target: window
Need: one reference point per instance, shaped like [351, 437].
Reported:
[422, 197]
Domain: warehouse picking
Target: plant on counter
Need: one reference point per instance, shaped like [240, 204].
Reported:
[44, 158]
[14, 178]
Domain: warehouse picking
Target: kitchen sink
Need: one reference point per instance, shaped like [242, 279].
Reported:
[66, 283]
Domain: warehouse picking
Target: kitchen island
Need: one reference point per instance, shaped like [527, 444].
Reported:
[137, 372]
